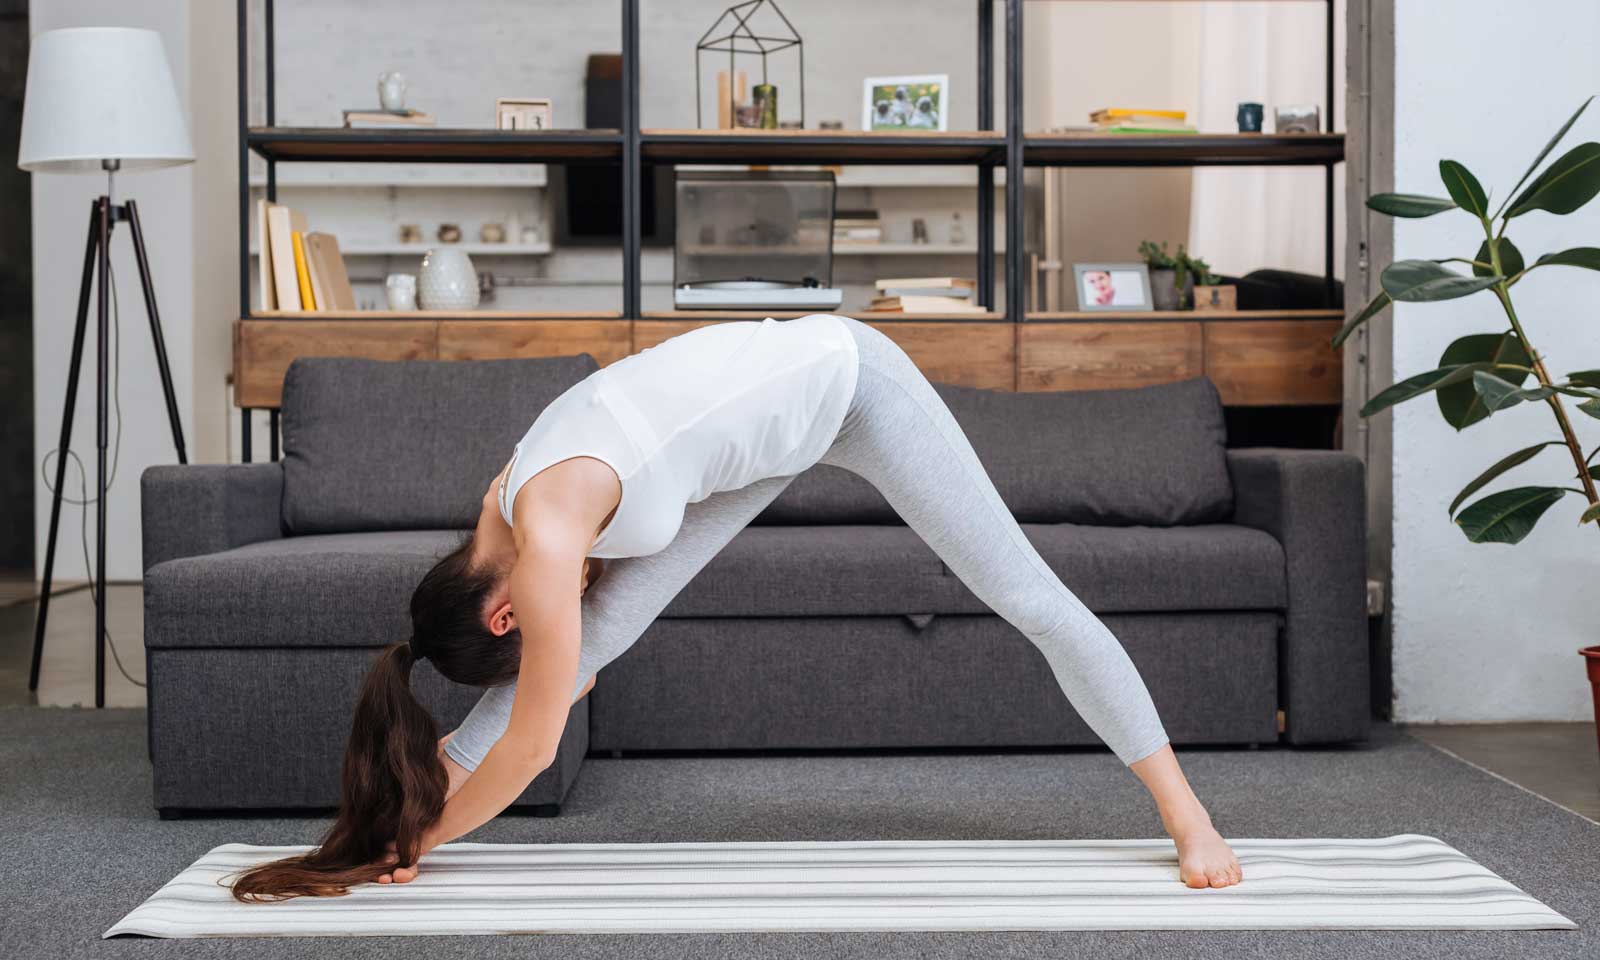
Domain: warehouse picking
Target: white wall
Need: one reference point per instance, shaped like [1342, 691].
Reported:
[60, 218]
[1489, 632]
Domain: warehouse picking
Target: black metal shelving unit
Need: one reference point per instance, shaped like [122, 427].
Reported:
[632, 148]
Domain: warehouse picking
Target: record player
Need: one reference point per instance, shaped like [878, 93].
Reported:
[754, 240]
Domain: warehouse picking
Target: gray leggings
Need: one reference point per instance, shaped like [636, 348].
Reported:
[899, 436]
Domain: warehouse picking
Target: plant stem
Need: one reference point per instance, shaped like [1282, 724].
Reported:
[1568, 437]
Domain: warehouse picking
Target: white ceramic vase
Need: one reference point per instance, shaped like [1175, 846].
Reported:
[447, 280]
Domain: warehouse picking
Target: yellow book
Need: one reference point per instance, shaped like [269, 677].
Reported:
[308, 301]
[1114, 113]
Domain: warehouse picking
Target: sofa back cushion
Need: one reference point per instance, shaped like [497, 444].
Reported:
[406, 445]
[1152, 455]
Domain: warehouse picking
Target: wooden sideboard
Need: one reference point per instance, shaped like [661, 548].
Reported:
[1255, 358]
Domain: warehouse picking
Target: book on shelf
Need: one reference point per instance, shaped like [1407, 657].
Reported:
[1114, 114]
[942, 283]
[269, 292]
[302, 273]
[922, 304]
[283, 222]
[379, 119]
[957, 293]
[1130, 120]
[857, 226]
[330, 282]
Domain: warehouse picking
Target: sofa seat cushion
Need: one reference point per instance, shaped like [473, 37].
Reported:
[864, 570]
[330, 590]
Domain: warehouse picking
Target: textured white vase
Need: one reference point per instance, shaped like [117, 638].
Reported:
[447, 280]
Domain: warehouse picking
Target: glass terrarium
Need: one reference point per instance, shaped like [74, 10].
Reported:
[752, 239]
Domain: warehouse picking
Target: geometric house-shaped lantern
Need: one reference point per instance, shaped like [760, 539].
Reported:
[745, 29]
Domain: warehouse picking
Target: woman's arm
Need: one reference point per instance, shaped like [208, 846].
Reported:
[548, 616]
[457, 772]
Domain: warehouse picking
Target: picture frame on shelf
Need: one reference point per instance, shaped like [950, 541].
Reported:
[1112, 286]
[524, 113]
[917, 102]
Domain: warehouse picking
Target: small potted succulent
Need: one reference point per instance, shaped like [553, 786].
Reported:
[1481, 374]
[1173, 275]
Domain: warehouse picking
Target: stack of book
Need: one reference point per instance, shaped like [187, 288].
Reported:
[300, 270]
[857, 227]
[925, 295]
[1125, 120]
[386, 119]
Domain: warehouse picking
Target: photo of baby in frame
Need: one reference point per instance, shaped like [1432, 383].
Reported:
[1112, 286]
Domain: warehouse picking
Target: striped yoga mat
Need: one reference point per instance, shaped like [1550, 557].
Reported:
[1404, 882]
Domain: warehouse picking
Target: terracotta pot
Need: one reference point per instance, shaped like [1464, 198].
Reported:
[1591, 657]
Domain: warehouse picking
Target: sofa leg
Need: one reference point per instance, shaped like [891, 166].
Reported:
[170, 813]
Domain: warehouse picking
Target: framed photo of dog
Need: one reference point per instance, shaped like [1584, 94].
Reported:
[906, 103]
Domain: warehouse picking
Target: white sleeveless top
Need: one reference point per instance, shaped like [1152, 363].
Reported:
[715, 409]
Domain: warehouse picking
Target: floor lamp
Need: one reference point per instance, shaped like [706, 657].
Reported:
[100, 100]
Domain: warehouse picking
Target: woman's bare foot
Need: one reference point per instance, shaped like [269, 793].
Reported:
[1204, 858]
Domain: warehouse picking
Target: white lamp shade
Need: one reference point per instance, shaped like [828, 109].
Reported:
[101, 93]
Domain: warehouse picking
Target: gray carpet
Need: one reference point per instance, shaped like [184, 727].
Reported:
[83, 846]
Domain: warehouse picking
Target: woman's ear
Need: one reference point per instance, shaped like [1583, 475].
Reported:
[502, 619]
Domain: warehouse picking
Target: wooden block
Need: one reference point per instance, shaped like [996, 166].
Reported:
[1213, 299]
[1104, 356]
[605, 340]
[263, 349]
[1274, 362]
[965, 354]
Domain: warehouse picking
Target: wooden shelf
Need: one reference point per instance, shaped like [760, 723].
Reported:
[431, 145]
[433, 315]
[820, 146]
[1154, 316]
[1089, 149]
[976, 317]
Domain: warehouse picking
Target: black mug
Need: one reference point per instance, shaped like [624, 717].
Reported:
[1251, 116]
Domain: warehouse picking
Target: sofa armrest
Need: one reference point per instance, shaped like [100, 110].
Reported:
[1314, 503]
[186, 511]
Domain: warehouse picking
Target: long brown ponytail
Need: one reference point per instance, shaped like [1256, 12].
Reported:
[393, 788]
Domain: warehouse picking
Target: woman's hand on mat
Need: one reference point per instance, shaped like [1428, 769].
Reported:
[404, 874]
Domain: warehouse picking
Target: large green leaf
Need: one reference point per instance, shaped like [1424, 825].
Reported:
[1589, 378]
[1410, 205]
[1565, 185]
[1464, 188]
[1372, 309]
[1591, 407]
[1507, 516]
[1459, 403]
[1511, 262]
[1499, 394]
[1586, 257]
[1510, 460]
[1422, 383]
[1546, 151]
[1423, 280]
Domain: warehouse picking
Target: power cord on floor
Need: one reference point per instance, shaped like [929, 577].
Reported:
[84, 500]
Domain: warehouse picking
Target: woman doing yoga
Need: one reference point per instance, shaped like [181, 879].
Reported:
[656, 462]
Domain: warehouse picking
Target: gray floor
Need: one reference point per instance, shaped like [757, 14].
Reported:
[84, 846]
[1555, 760]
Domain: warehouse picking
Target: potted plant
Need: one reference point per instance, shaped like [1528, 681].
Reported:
[1481, 374]
[1170, 283]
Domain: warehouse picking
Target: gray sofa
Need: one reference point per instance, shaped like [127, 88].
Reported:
[1235, 578]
